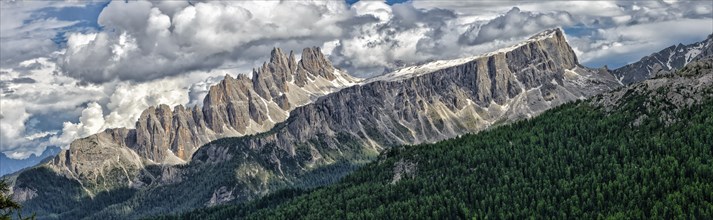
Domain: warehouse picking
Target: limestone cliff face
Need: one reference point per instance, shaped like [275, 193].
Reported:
[440, 100]
[234, 107]
[88, 160]
[306, 124]
[420, 104]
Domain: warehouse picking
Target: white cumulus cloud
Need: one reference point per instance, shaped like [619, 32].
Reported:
[170, 52]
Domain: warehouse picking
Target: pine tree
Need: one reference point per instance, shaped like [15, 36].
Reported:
[7, 206]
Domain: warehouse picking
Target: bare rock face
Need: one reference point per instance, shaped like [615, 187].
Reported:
[428, 103]
[220, 196]
[404, 169]
[234, 107]
[665, 96]
[412, 107]
[419, 104]
[314, 62]
[23, 194]
[88, 160]
[153, 132]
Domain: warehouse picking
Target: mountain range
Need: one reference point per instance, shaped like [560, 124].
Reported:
[304, 124]
[665, 61]
[10, 165]
[639, 151]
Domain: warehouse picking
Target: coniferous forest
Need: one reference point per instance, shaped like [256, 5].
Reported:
[643, 158]
[356, 109]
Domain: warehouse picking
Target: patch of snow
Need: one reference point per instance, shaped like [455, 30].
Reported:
[344, 80]
[413, 71]
[267, 109]
[692, 53]
[668, 62]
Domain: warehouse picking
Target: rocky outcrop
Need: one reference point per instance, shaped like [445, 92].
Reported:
[404, 169]
[421, 104]
[23, 194]
[665, 61]
[221, 195]
[101, 161]
[458, 97]
[234, 107]
[425, 103]
[664, 96]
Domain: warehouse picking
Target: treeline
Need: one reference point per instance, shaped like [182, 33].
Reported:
[575, 161]
[62, 198]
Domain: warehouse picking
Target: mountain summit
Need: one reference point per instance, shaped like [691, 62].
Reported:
[234, 107]
[316, 142]
[665, 61]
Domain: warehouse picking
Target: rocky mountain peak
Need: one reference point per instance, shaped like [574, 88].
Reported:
[540, 58]
[277, 56]
[556, 43]
[330, 120]
[313, 61]
[236, 106]
[665, 61]
[418, 104]
[553, 32]
[292, 61]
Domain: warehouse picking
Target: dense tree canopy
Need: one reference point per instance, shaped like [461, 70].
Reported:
[8, 207]
[643, 159]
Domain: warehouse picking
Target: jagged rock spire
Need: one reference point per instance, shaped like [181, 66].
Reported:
[233, 107]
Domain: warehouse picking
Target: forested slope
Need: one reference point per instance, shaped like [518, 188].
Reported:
[645, 151]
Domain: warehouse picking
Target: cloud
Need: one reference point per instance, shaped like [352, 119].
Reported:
[128, 100]
[383, 37]
[39, 104]
[90, 122]
[148, 52]
[601, 32]
[34, 103]
[29, 88]
[141, 42]
[23, 80]
[621, 45]
[149, 40]
[26, 35]
[515, 23]
[12, 117]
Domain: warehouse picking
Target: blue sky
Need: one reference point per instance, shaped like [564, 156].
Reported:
[86, 17]
[70, 69]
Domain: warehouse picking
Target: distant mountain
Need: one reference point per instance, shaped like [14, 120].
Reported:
[10, 165]
[665, 61]
[323, 139]
[643, 151]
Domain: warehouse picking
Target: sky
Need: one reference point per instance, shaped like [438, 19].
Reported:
[69, 69]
